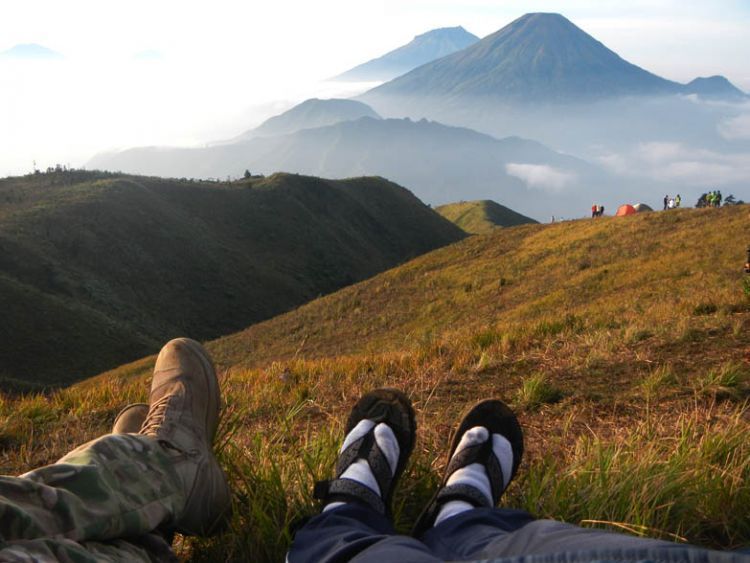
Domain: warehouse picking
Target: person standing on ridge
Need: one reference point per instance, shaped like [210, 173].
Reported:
[666, 201]
[677, 200]
[594, 210]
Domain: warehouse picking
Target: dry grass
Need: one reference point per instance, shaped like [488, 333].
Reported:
[647, 432]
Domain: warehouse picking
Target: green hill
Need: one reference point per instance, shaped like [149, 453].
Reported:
[481, 217]
[97, 269]
[622, 343]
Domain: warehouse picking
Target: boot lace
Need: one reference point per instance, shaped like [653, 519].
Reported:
[156, 414]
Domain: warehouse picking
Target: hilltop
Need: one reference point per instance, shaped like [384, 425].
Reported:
[422, 49]
[481, 217]
[622, 342]
[99, 269]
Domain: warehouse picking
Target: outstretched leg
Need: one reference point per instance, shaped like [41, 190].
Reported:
[355, 523]
[123, 486]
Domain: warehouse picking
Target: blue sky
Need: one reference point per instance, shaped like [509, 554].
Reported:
[144, 72]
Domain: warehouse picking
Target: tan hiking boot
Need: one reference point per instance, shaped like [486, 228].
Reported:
[183, 416]
[130, 419]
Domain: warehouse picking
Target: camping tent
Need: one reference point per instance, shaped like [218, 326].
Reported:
[626, 209]
[641, 207]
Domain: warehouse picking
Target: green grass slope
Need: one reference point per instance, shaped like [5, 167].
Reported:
[481, 217]
[97, 269]
[623, 344]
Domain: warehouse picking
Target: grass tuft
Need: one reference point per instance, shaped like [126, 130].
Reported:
[536, 391]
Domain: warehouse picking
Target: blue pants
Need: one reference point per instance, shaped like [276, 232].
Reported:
[354, 532]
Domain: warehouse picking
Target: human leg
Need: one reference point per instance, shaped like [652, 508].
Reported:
[462, 523]
[125, 485]
[355, 523]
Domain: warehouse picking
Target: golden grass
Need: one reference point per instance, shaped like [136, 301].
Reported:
[640, 323]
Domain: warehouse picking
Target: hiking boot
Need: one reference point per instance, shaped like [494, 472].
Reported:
[183, 416]
[130, 419]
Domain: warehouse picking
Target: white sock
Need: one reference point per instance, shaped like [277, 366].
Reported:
[474, 474]
[360, 470]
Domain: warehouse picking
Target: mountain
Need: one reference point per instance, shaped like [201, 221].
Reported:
[481, 217]
[309, 114]
[621, 343]
[714, 87]
[97, 269]
[30, 51]
[438, 163]
[422, 49]
[536, 58]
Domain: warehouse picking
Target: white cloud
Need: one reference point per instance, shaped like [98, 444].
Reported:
[736, 128]
[680, 163]
[541, 176]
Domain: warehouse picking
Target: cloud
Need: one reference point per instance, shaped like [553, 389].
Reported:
[541, 176]
[736, 128]
[680, 163]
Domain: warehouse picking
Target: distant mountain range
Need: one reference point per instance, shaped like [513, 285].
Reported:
[310, 114]
[481, 217]
[538, 58]
[422, 49]
[438, 163]
[30, 51]
[99, 269]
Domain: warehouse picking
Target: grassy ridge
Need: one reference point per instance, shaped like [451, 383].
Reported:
[97, 269]
[623, 343]
[481, 217]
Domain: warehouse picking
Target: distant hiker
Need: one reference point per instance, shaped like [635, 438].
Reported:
[718, 198]
[666, 201]
[677, 200]
[594, 210]
[601, 210]
[670, 203]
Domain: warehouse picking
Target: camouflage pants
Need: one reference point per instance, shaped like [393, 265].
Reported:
[98, 503]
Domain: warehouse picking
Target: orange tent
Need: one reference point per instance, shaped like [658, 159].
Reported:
[625, 210]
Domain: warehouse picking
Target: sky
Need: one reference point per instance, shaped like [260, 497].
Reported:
[155, 72]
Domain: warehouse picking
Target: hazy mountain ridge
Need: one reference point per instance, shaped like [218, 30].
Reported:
[31, 51]
[437, 162]
[98, 269]
[538, 58]
[310, 114]
[422, 49]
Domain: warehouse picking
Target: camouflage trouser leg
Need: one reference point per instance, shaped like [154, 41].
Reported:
[99, 502]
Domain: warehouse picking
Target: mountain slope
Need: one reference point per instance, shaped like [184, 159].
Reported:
[422, 49]
[438, 163]
[98, 269]
[481, 217]
[616, 381]
[536, 58]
